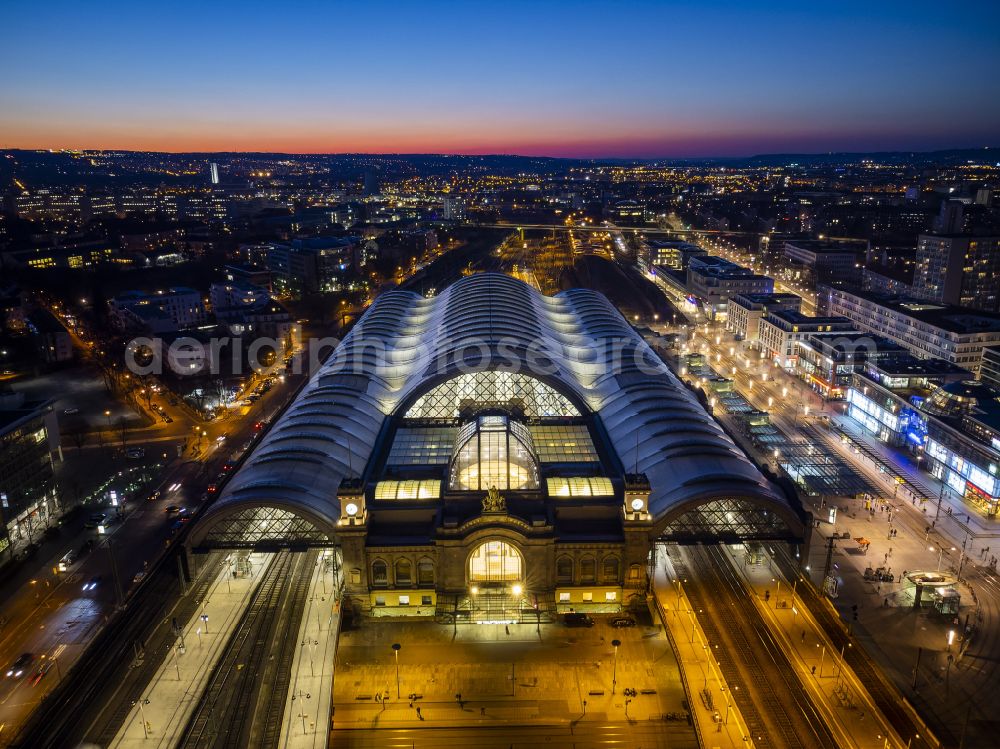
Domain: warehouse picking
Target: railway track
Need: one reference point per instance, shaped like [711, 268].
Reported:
[244, 699]
[772, 701]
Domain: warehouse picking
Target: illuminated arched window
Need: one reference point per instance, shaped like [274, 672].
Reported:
[493, 451]
[588, 570]
[495, 562]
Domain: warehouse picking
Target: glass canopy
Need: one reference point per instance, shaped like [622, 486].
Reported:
[493, 451]
[478, 390]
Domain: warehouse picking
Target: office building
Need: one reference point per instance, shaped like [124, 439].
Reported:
[712, 280]
[746, 310]
[781, 330]
[933, 331]
[29, 435]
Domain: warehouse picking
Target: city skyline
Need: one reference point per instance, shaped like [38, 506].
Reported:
[648, 80]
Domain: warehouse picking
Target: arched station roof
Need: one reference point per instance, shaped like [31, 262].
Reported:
[405, 345]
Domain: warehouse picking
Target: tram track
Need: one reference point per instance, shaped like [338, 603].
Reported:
[244, 698]
[775, 707]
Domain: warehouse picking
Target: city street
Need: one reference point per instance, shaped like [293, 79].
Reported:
[48, 613]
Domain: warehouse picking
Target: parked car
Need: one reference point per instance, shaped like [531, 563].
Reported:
[577, 620]
[174, 510]
[98, 518]
[136, 452]
[71, 411]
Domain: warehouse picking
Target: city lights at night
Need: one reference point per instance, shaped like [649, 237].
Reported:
[476, 375]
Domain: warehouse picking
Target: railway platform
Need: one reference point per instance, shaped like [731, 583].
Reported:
[160, 718]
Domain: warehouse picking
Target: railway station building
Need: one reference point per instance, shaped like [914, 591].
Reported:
[492, 453]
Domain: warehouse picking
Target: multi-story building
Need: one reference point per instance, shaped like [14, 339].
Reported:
[453, 208]
[935, 331]
[52, 340]
[746, 310]
[827, 360]
[160, 311]
[989, 366]
[29, 435]
[827, 261]
[887, 397]
[246, 309]
[713, 280]
[959, 269]
[781, 331]
[316, 264]
[669, 253]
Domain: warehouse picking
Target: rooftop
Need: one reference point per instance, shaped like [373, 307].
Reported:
[960, 320]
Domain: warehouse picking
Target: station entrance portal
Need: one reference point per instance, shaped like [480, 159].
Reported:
[496, 583]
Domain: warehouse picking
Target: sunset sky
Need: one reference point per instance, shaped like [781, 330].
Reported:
[644, 79]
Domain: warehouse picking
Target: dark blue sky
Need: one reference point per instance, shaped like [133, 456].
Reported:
[583, 79]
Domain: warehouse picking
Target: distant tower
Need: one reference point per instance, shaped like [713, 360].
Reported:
[213, 173]
[372, 186]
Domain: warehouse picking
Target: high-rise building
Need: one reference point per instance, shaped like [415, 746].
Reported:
[958, 269]
[213, 173]
[454, 208]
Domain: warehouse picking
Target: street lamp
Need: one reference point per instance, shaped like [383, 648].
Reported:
[395, 651]
[614, 672]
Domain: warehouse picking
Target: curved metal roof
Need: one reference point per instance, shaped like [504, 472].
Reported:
[405, 344]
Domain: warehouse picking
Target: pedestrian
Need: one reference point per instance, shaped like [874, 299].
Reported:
[506, 629]
[803, 635]
[482, 711]
[418, 713]
[814, 671]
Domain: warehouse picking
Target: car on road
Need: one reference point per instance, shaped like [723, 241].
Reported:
[139, 577]
[67, 561]
[167, 419]
[71, 411]
[92, 583]
[174, 510]
[154, 496]
[574, 619]
[18, 667]
[212, 489]
[136, 452]
[623, 621]
[43, 669]
[98, 518]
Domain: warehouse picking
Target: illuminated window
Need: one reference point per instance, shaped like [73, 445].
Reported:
[580, 486]
[493, 451]
[380, 573]
[563, 444]
[495, 561]
[422, 489]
